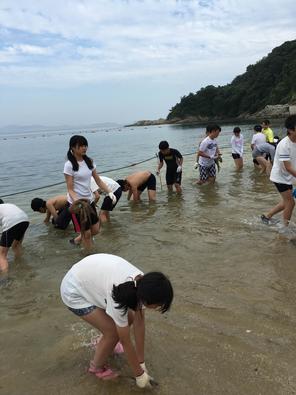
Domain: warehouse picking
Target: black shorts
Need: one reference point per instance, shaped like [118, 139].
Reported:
[172, 177]
[63, 219]
[93, 219]
[107, 202]
[15, 233]
[282, 187]
[236, 156]
[149, 184]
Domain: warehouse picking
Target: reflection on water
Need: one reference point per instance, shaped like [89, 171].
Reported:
[232, 325]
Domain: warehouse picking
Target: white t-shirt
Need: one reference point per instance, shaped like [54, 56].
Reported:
[209, 147]
[258, 138]
[111, 184]
[81, 180]
[90, 282]
[237, 145]
[285, 151]
[11, 215]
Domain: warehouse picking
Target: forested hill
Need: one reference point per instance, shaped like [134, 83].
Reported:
[272, 80]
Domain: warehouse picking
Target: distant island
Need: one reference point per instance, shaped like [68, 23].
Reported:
[266, 90]
[44, 128]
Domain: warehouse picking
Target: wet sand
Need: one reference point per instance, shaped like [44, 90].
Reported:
[231, 329]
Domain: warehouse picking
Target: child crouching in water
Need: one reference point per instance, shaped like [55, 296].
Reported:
[110, 294]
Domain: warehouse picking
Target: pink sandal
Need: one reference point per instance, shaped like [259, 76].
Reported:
[105, 373]
[118, 349]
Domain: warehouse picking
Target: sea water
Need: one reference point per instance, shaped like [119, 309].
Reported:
[231, 328]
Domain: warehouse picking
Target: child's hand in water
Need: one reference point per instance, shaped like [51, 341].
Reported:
[143, 381]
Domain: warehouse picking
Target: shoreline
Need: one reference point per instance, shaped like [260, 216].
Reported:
[194, 122]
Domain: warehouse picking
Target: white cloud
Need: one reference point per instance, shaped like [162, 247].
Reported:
[50, 43]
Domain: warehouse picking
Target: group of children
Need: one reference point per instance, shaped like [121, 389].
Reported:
[276, 158]
[107, 291]
[85, 185]
[104, 290]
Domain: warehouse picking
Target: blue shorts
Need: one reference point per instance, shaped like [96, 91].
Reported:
[206, 172]
[83, 311]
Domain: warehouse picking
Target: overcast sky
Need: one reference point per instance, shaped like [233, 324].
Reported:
[81, 62]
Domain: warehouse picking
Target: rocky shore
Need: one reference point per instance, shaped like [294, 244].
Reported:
[277, 111]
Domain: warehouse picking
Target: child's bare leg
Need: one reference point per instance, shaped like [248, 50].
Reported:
[87, 239]
[276, 209]
[3, 259]
[17, 248]
[104, 216]
[178, 188]
[289, 204]
[263, 163]
[101, 321]
[77, 239]
[238, 163]
[151, 195]
[211, 180]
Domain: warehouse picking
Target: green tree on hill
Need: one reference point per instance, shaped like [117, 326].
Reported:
[272, 80]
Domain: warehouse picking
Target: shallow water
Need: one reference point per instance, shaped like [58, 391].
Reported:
[231, 328]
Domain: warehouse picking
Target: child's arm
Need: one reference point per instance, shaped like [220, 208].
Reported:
[289, 168]
[129, 350]
[50, 210]
[139, 331]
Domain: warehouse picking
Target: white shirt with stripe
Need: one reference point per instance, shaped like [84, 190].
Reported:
[285, 151]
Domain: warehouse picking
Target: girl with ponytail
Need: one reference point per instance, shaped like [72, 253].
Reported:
[78, 171]
[110, 293]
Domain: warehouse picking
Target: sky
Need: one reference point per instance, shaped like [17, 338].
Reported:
[90, 61]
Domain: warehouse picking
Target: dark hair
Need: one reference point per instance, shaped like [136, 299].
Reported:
[1, 201]
[37, 204]
[83, 209]
[80, 141]
[290, 122]
[152, 288]
[236, 130]
[258, 128]
[163, 145]
[123, 184]
[266, 121]
[213, 127]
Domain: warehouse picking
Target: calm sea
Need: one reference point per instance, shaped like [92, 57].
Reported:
[31, 160]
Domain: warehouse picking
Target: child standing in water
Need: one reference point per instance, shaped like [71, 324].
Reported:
[237, 148]
[207, 153]
[283, 173]
[110, 293]
[14, 223]
[174, 162]
[78, 171]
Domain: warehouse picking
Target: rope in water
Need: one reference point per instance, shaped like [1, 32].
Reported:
[62, 182]
[101, 172]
